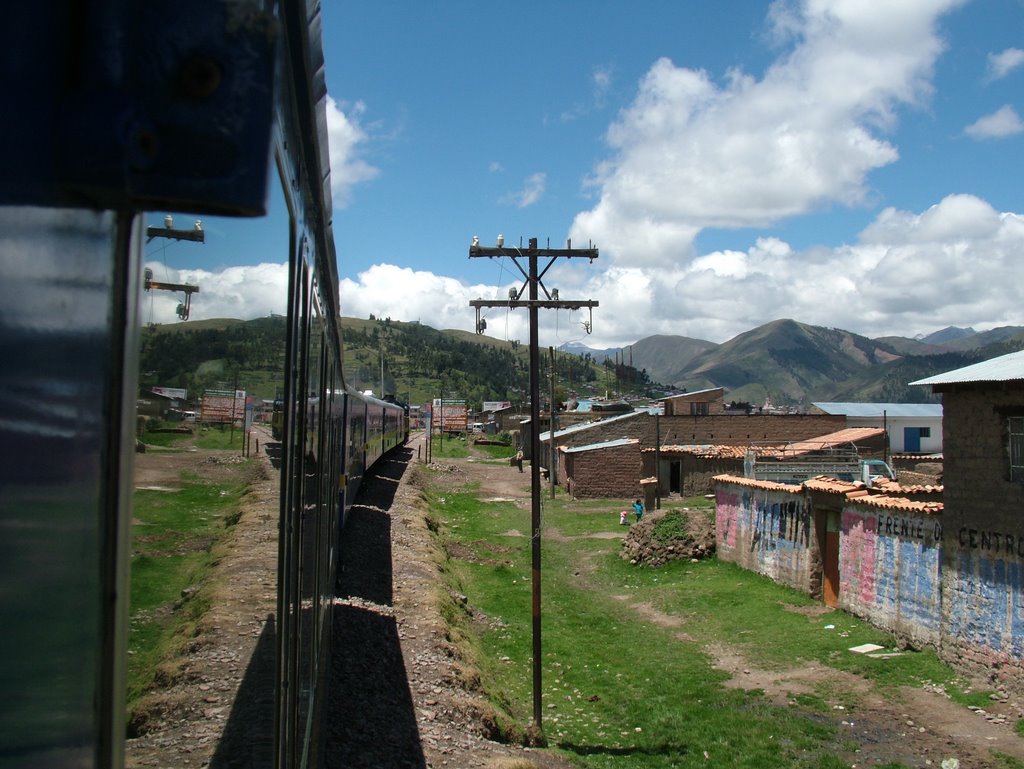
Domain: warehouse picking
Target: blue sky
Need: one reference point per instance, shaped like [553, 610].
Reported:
[842, 163]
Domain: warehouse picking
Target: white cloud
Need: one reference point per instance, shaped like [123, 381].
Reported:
[345, 139]
[531, 191]
[245, 292]
[495, 167]
[1002, 123]
[955, 263]
[691, 152]
[1003, 63]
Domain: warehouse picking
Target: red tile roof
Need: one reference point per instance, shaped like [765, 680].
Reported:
[855, 492]
[769, 485]
[894, 487]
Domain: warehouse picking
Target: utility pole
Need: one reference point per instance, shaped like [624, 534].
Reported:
[196, 235]
[533, 282]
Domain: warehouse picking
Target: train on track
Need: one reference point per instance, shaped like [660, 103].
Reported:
[119, 108]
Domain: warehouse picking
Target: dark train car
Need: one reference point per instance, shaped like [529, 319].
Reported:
[125, 107]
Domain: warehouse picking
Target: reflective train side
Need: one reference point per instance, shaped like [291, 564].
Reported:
[125, 108]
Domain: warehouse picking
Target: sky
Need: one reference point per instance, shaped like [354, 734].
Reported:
[843, 163]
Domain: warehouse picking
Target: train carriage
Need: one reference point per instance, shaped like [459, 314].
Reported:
[123, 108]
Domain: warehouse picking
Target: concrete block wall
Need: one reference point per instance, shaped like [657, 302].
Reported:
[767, 531]
[890, 567]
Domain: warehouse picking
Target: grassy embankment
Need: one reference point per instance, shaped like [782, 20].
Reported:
[174, 536]
[622, 691]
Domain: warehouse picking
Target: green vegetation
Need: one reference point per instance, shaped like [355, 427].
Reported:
[621, 690]
[173, 538]
[497, 451]
[420, 363]
[203, 437]
[448, 447]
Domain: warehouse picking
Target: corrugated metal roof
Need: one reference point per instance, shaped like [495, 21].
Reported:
[705, 391]
[594, 446]
[1002, 369]
[878, 410]
[546, 435]
[775, 450]
[832, 440]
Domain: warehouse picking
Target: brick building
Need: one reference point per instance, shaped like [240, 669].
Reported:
[983, 540]
[699, 403]
[690, 470]
[947, 574]
[652, 429]
[609, 469]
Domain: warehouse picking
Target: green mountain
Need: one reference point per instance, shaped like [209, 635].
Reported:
[785, 362]
[408, 361]
[788, 363]
[663, 357]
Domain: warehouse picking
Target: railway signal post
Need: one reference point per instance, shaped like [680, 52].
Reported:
[533, 284]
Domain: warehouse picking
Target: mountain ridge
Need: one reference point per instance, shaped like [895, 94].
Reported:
[789, 362]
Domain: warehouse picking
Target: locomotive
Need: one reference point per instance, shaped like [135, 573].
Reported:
[126, 107]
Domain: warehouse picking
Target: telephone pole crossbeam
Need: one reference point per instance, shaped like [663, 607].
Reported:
[533, 282]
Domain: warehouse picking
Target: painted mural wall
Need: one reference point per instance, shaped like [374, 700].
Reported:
[766, 530]
[984, 600]
[890, 567]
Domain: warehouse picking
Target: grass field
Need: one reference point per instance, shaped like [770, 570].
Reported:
[173, 539]
[622, 691]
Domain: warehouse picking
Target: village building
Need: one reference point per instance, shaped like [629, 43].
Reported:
[913, 428]
[939, 566]
[690, 470]
[698, 403]
[608, 469]
[983, 531]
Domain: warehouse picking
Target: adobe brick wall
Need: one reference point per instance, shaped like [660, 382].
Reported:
[697, 473]
[605, 473]
[983, 544]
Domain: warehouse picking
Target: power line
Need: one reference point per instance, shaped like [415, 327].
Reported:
[532, 285]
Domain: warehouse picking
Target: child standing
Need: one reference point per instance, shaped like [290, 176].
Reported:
[638, 508]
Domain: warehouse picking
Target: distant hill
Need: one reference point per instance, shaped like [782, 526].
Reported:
[788, 362]
[785, 361]
[982, 339]
[947, 335]
[581, 350]
[410, 361]
[663, 357]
